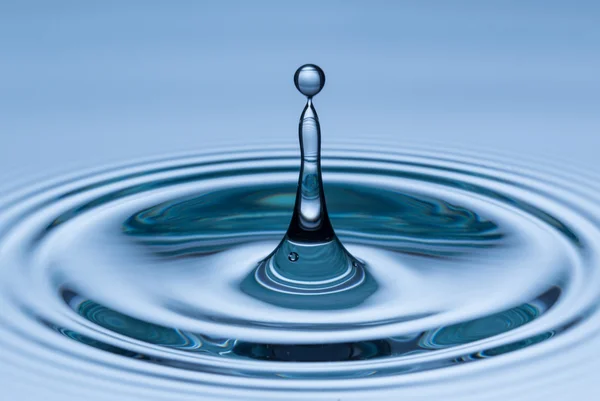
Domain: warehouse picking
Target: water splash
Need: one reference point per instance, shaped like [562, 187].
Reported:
[169, 279]
[310, 269]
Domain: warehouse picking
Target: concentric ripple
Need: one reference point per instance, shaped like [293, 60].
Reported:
[146, 276]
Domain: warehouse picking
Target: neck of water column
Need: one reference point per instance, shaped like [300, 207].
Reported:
[310, 222]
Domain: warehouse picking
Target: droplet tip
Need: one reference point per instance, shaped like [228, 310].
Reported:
[309, 79]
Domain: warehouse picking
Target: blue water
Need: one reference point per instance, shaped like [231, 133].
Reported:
[459, 155]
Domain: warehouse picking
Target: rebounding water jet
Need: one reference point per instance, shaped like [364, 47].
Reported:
[310, 268]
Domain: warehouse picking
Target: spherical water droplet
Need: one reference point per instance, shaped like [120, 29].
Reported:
[293, 256]
[309, 79]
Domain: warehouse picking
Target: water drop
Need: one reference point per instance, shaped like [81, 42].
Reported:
[327, 271]
[293, 256]
[309, 79]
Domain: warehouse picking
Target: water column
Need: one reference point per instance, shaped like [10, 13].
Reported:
[310, 269]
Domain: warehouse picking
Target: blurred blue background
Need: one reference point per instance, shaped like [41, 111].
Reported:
[85, 83]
